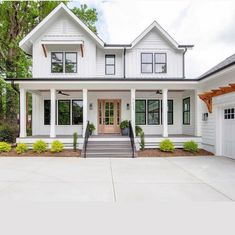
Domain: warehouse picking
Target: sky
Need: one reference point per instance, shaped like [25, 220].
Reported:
[207, 24]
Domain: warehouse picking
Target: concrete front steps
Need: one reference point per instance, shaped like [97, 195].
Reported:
[109, 147]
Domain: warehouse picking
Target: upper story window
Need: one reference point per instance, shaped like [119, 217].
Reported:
[110, 64]
[146, 62]
[153, 63]
[63, 62]
[70, 62]
[160, 62]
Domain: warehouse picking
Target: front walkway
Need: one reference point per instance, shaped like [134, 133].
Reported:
[121, 180]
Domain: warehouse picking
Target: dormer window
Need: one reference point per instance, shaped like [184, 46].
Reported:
[63, 62]
[146, 62]
[57, 62]
[160, 62]
[153, 63]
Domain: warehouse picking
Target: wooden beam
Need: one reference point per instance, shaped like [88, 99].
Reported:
[207, 96]
[44, 50]
[81, 47]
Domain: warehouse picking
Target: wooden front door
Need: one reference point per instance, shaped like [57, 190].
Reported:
[109, 116]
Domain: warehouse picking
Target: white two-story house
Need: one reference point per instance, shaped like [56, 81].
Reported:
[77, 78]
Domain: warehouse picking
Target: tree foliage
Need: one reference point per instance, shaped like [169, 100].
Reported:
[17, 19]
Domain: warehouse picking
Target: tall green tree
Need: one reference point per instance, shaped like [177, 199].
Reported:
[17, 19]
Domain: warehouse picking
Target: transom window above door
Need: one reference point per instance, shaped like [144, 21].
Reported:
[64, 62]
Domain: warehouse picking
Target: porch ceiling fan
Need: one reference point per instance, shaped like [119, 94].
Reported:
[62, 93]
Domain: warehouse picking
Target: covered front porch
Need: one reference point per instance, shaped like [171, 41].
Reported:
[60, 111]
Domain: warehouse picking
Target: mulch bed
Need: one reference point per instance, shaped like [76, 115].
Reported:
[30, 153]
[176, 153]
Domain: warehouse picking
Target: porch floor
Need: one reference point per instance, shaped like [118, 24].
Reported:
[109, 136]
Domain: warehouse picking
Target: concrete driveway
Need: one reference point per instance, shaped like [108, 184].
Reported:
[117, 180]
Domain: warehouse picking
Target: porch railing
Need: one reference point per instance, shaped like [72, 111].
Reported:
[87, 134]
[132, 138]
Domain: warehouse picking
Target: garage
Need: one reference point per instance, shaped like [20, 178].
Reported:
[228, 132]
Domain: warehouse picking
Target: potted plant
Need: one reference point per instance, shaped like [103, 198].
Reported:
[124, 127]
[91, 128]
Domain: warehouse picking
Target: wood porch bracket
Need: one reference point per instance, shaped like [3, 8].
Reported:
[82, 52]
[208, 96]
[44, 49]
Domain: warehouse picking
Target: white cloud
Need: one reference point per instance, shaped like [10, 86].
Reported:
[209, 25]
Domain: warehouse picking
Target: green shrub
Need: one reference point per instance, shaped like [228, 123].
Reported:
[191, 146]
[138, 130]
[75, 139]
[7, 133]
[167, 146]
[124, 124]
[57, 146]
[40, 146]
[21, 148]
[91, 128]
[142, 141]
[5, 147]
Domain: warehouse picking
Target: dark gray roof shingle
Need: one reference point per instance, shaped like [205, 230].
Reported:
[222, 65]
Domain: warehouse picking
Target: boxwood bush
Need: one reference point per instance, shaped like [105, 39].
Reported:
[57, 146]
[40, 146]
[5, 147]
[167, 146]
[191, 146]
[21, 148]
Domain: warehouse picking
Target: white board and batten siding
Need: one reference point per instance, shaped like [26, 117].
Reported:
[64, 29]
[154, 43]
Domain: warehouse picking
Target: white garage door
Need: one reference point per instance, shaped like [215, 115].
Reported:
[228, 132]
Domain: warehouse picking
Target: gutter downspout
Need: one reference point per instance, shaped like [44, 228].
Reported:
[124, 63]
[184, 61]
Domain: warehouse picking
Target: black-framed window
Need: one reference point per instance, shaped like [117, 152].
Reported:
[146, 62]
[64, 112]
[186, 111]
[153, 112]
[170, 112]
[140, 112]
[47, 112]
[160, 64]
[57, 62]
[70, 62]
[109, 64]
[77, 112]
[229, 113]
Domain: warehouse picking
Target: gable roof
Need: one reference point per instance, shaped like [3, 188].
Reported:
[26, 42]
[163, 33]
[221, 66]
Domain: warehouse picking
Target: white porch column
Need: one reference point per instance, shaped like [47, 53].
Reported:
[23, 112]
[133, 109]
[84, 95]
[198, 114]
[164, 112]
[53, 114]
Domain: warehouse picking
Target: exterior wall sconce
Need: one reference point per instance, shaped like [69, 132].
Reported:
[204, 116]
[127, 106]
[90, 106]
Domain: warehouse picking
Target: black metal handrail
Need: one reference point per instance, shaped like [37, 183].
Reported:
[87, 134]
[132, 138]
